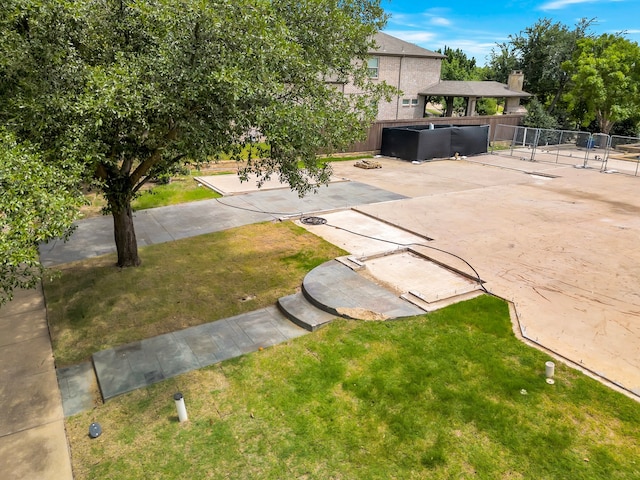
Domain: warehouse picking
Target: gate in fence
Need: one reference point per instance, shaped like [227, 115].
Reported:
[610, 154]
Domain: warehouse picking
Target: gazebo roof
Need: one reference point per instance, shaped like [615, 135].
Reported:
[455, 88]
[388, 45]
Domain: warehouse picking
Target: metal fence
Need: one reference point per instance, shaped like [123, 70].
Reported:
[610, 154]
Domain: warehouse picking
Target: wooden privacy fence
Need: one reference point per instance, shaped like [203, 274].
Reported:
[374, 137]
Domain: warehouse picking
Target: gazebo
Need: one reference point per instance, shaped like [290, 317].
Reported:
[473, 90]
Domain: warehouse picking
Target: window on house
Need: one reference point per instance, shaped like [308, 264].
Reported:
[405, 102]
[373, 65]
[414, 102]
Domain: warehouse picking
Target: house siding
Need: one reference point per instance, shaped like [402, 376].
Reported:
[408, 74]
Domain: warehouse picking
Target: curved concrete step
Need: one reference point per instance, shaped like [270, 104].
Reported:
[301, 312]
[338, 290]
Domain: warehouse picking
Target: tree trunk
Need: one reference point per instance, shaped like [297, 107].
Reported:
[604, 123]
[125, 237]
[556, 98]
[449, 111]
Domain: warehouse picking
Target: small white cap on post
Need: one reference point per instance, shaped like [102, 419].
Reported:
[182, 410]
[549, 369]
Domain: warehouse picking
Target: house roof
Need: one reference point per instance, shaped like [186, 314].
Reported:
[456, 88]
[388, 45]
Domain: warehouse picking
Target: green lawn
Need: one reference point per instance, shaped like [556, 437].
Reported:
[181, 190]
[452, 394]
[92, 305]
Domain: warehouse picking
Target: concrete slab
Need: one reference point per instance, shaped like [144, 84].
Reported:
[563, 249]
[405, 272]
[231, 184]
[92, 237]
[33, 442]
[78, 387]
[23, 301]
[21, 327]
[298, 309]
[29, 401]
[138, 364]
[373, 236]
[337, 289]
[36, 454]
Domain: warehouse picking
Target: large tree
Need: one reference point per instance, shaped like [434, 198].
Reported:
[130, 88]
[543, 48]
[503, 60]
[38, 202]
[605, 75]
[457, 66]
[540, 51]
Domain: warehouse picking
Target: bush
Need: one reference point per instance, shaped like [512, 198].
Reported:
[538, 117]
[487, 106]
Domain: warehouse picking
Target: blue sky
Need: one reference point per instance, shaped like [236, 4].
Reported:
[475, 26]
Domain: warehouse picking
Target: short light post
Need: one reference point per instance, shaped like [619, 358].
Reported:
[182, 410]
[549, 371]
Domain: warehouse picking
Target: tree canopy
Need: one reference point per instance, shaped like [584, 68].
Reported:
[543, 48]
[129, 88]
[458, 66]
[539, 51]
[576, 77]
[605, 75]
[38, 202]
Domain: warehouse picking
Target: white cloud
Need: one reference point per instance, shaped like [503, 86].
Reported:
[403, 20]
[560, 4]
[478, 50]
[440, 21]
[419, 38]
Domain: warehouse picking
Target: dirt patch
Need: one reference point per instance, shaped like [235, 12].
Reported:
[361, 314]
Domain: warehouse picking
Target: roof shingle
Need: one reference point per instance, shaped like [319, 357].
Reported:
[388, 45]
[456, 88]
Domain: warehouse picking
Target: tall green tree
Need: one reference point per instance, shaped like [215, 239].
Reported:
[503, 60]
[540, 51]
[543, 48]
[605, 75]
[538, 117]
[130, 88]
[457, 66]
[38, 202]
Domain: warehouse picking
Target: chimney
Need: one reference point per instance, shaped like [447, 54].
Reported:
[516, 81]
[515, 84]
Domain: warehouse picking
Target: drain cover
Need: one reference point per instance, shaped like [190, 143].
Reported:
[313, 220]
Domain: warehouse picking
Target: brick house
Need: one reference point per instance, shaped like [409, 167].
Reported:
[415, 71]
[407, 67]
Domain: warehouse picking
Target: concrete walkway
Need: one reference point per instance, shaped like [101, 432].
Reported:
[332, 288]
[94, 236]
[139, 364]
[33, 443]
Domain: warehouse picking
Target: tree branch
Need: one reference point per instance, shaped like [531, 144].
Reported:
[104, 171]
[139, 185]
[154, 158]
